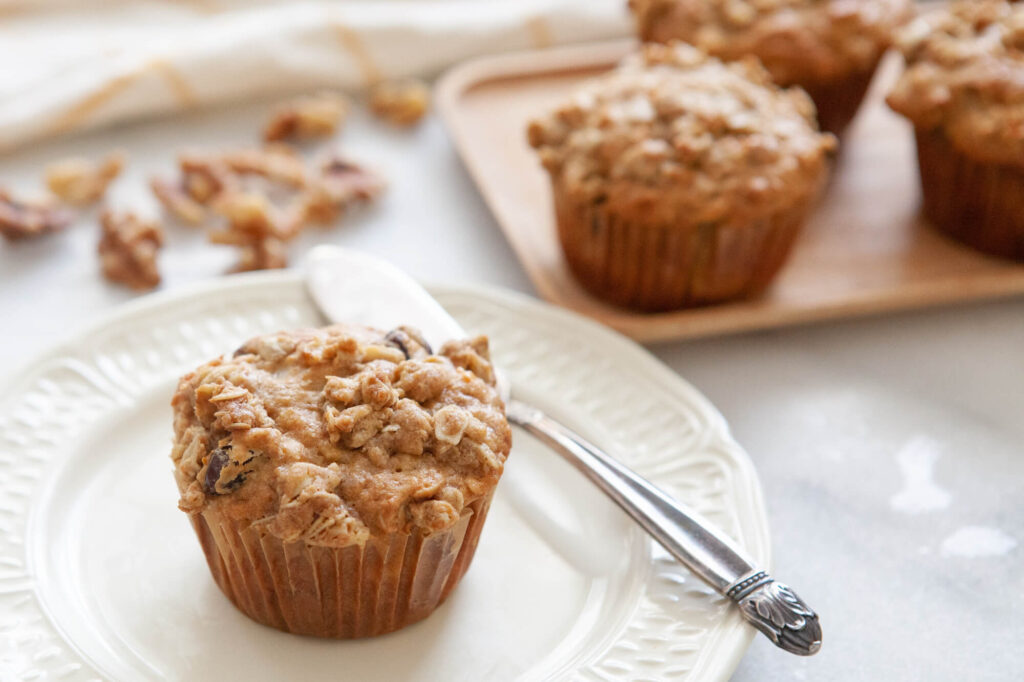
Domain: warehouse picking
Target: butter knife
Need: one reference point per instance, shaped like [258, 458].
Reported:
[349, 286]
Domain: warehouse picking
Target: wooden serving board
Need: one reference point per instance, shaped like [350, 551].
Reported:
[865, 250]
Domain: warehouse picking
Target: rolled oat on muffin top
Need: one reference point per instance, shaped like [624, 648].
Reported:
[675, 133]
[965, 77]
[797, 40]
[331, 436]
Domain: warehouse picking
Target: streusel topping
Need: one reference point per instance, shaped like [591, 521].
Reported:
[797, 40]
[674, 130]
[329, 436]
[965, 76]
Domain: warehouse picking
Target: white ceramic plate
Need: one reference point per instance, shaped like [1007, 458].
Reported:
[101, 577]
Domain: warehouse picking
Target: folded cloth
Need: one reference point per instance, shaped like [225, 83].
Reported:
[72, 65]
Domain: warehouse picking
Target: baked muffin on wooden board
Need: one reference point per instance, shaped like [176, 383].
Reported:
[963, 90]
[828, 47]
[338, 479]
[681, 180]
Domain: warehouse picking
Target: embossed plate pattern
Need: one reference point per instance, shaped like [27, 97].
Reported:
[101, 579]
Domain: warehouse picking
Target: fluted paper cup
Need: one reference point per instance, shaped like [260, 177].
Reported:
[358, 591]
[838, 101]
[646, 265]
[979, 204]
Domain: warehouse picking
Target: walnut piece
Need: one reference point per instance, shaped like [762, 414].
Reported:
[317, 115]
[218, 182]
[402, 102]
[255, 226]
[177, 201]
[250, 215]
[128, 248]
[80, 181]
[265, 254]
[25, 220]
[339, 185]
[204, 178]
[277, 163]
[347, 181]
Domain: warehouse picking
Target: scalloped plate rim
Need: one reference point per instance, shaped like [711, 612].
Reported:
[754, 520]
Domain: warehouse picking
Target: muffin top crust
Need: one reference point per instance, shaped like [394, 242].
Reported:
[799, 41]
[329, 436]
[965, 77]
[676, 134]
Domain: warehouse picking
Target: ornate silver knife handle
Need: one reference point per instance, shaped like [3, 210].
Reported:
[769, 606]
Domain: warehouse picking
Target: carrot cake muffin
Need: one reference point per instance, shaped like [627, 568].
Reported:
[338, 478]
[963, 90]
[828, 47]
[679, 179]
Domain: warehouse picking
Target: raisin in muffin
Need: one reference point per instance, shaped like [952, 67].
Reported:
[679, 179]
[963, 90]
[338, 479]
[828, 47]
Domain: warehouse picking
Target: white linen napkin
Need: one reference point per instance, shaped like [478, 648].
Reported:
[70, 65]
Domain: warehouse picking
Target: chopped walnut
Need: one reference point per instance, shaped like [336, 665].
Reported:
[265, 254]
[250, 216]
[339, 185]
[254, 222]
[205, 178]
[348, 182]
[318, 115]
[253, 225]
[24, 220]
[128, 248]
[80, 181]
[277, 163]
[177, 201]
[401, 102]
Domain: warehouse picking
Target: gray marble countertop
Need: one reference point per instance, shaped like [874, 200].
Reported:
[889, 448]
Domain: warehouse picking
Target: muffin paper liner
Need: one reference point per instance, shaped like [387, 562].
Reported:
[978, 204]
[837, 101]
[358, 591]
[652, 266]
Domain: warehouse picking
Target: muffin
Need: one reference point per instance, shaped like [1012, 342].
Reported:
[680, 180]
[338, 479]
[830, 48]
[963, 90]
